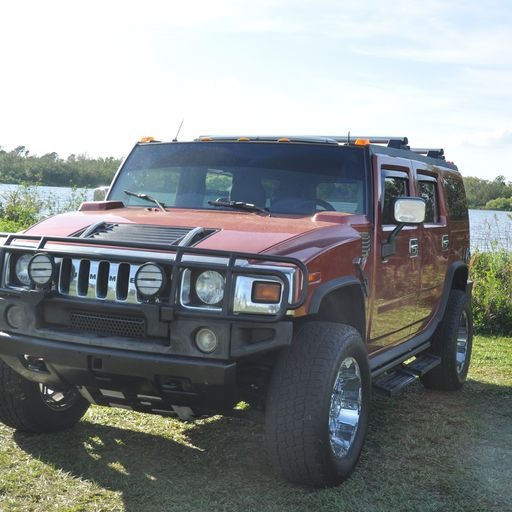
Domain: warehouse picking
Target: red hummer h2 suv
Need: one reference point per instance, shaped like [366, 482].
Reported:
[291, 273]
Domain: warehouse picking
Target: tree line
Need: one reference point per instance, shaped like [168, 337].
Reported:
[19, 166]
[488, 194]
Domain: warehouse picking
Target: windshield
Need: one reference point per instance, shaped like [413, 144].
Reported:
[279, 177]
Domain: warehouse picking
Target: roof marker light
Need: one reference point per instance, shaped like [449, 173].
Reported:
[243, 139]
[143, 140]
[283, 139]
[205, 139]
[362, 142]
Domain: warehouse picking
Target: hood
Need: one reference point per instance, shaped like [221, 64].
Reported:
[230, 230]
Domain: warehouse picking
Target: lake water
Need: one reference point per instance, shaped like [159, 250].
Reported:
[489, 229]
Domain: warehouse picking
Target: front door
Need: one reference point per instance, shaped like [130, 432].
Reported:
[397, 277]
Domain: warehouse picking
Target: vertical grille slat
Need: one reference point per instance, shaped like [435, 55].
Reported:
[102, 280]
[83, 278]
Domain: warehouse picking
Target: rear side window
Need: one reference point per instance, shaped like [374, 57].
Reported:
[428, 192]
[455, 197]
[394, 187]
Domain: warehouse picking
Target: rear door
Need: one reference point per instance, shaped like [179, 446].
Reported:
[397, 277]
[434, 244]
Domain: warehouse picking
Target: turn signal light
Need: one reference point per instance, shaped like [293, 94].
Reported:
[266, 292]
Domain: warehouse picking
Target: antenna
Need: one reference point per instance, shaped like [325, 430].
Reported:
[348, 137]
[178, 132]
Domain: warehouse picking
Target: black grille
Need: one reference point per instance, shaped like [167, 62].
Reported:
[113, 325]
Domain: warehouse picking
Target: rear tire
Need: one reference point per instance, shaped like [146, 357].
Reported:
[452, 341]
[318, 405]
[32, 407]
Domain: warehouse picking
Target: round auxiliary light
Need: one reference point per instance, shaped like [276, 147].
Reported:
[206, 340]
[149, 279]
[21, 269]
[210, 287]
[40, 269]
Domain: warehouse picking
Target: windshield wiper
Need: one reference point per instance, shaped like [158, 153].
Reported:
[240, 205]
[145, 197]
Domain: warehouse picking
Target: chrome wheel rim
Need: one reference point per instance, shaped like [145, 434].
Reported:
[58, 400]
[462, 342]
[345, 408]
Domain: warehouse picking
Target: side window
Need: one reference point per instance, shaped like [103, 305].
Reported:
[394, 187]
[427, 190]
[455, 197]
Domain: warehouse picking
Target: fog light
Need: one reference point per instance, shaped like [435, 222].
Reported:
[15, 317]
[206, 340]
[149, 279]
[41, 269]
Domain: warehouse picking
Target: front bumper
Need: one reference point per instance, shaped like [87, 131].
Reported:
[140, 381]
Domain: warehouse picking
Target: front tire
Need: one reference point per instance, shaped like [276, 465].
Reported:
[452, 341]
[318, 405]
[32, 407]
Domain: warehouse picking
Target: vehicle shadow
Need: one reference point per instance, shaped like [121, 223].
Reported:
[156, 472]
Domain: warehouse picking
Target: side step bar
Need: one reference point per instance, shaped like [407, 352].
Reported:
[397, 378]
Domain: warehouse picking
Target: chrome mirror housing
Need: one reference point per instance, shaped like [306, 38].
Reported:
[409, 210]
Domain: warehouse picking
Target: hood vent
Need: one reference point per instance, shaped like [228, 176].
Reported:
[146, 234]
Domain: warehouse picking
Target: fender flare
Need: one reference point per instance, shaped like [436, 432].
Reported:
[448, 286]
[330, 286]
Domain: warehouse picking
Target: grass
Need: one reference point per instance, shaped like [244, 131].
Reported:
[426, 451]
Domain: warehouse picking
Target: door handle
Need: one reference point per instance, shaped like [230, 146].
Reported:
[413, 247]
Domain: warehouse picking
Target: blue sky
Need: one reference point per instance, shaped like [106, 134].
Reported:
[93, 77]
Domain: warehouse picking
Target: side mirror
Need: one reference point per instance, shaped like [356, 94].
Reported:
[410, 210]
[407, 210]
[99, 194]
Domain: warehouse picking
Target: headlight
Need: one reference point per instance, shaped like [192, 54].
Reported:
[41, 269]
[149, 279]
[21, 269]
[210, 287]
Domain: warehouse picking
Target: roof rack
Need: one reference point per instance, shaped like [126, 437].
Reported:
[390, 142]
[268, 138]
[430, 152]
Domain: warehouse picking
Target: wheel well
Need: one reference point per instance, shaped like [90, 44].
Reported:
[345, 305]
[460, 278]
